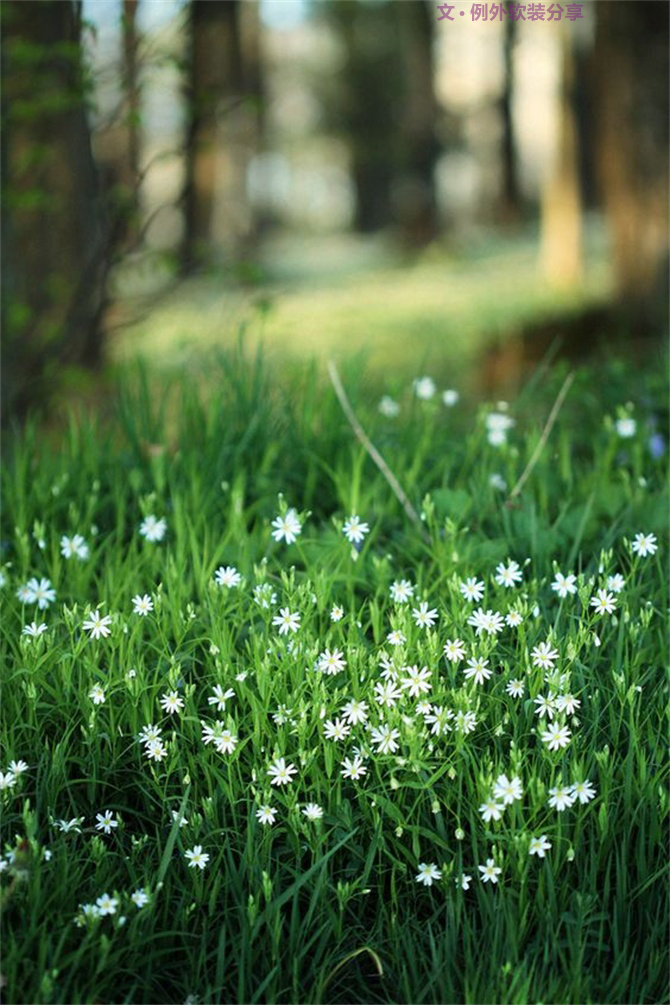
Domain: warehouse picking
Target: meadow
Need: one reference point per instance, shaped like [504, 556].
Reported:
[271, 733]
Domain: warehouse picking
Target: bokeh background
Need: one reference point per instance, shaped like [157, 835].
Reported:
[464, 189]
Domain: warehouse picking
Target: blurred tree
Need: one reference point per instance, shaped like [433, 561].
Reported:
[55, 238]
[510, 197]
[224, 100]
[630, 63]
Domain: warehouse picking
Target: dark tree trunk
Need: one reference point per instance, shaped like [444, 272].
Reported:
[510, 200]
[54, 239]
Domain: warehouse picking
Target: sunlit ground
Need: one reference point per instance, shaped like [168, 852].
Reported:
[342, 295]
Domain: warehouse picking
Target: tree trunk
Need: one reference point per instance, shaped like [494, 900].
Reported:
[54, 239]
[510, 200]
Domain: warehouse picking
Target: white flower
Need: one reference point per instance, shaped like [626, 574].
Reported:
[149, 733]
[644, 544]
[423, 617]
[140, 898]
[97, 625]
[454, 650]
[428, 873]
[197, 858]
[287, 527]
[490, 871]
[544, 656]
[106, 822]
[155, 750]
[401, 591]
[153, 529]
[563, 585]
[472, 589]
[508, 575]
[331, 663]
[280, 772]
[396, 638]
[220, 697]
[561, 796]
[583, 791]
[567, 703]
[486, 621]
[508, 789]
[336, 613]
[450, 397]
[226, 741]
[477, 669]
[515, 688]
[74, 547]
[67, 826]
[388, 407]
[42, 592]
[25, 593]
[286, 621]
[355, 530]
[355, 711]
[491, 810]
[463, 881]
[106, 904]
[603, 602]
[97, 695]
[312, 811]
[353, 767]
[626, 427]
[424, 388]
[33, 630]
[7, 781]
[438, 720]
[539, 846]
[385, 739]
[142, 605]
[546, 705]
[387, 693]
[266, 814]
[513, 619]
[264, 595]
[228, 576]
[171, 702]
[556, 736]
[616, 583]
[18, 767]
[465, 722]
[417, 681]
[337, 730]
[496, 481]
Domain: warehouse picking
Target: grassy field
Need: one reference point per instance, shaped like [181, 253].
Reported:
[269, 736]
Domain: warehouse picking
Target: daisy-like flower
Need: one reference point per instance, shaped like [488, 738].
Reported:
[355, 711]
[70, 826]
[7, 781]
[396, 638]
[155, 750]
[33, 630]
[496, 481]
[539, 846]
[388, 407]
[331, 663]
[336, 613]
[401, 591]
[556, 736]
[142, 605]
[140, 898]
[25, 593]
[561, 796]
[312, 811]
[286, 621]
[423, 707]
[220, 697]
[644, 544]
[153, 529]
[490, 871]
[491, 810]
[337, 730]
[508, 789]
[106, 904]
[227, 576]
[626, 427]
[106, 822]
[486, 621]
[423, 617]
[465, 722]
[149, 733]
[417, 681]
[226, 742]
[98, 625]
[424, 388]
[280, 772]
[450, 397]
[287, 527]
[197, 858]
[354, 529]
[564, 585]
[583, 791]
[428, 873]
[74, 547]
[438, 720]
[97, 695]
[515, 688]
[385, 739]
[616, 583]
[454, 650]
[463, 881]
[513, 619]
[567, 703]
[18, 767]
[353, 768]
[42, 592]
[603, 602]
[179, 818]
[544, 656]
[477, 669]
[508, 575]
[264, 595]
[546, 705]
[387, 693]
[472, 589]
[171, 702]
[266, 815]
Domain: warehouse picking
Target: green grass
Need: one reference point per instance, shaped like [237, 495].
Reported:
[330, 910]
